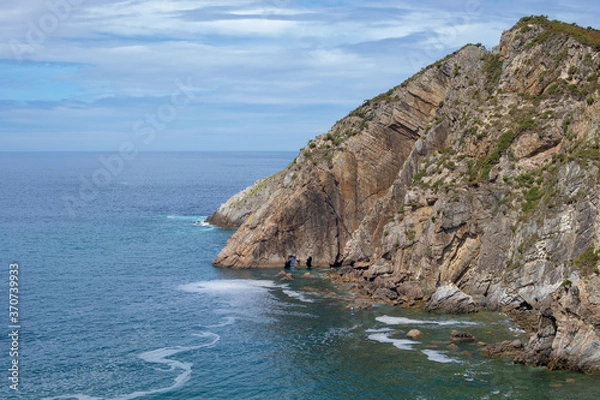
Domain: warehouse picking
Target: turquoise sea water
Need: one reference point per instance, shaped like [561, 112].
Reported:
[118, 300]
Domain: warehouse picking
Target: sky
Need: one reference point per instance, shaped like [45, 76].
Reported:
[195, 75]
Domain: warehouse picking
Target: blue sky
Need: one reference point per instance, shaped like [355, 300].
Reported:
[222, 75]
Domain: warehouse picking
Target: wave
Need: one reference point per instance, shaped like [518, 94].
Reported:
[382, 336]
[402, 344]
[381, 330]
[229, 286]
[225, 322]
[298, 295]
[159, 356]
[226, 287]
[408, 321]
[201, 221]
[243, 298]
[439, 357]
[194, 219]
[516, 330]
[186, 218]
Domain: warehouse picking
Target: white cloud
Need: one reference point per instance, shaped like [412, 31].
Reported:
[241, 27]
[272, 11]
[244, 55]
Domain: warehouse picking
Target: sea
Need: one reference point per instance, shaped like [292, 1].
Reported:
[117, 299]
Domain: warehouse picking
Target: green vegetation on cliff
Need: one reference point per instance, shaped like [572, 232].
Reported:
[481, 173]
[552, 28]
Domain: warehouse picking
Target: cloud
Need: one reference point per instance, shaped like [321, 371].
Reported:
[259, 67]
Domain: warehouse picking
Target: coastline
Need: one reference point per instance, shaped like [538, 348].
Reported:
[472, 185]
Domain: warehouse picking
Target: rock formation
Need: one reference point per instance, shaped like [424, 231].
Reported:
[450, 299]
[414, 334]
[481, 172]
[458, 336]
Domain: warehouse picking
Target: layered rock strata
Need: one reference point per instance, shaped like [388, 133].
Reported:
[481, 173]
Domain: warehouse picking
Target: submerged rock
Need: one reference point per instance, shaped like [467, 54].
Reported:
[285, 276]
[507, 348]
[459, 336]
[414, 334]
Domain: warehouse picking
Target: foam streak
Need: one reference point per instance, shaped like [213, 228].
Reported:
[408, 321]
[159, 356]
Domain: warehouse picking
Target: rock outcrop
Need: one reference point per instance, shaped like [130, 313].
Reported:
[449, 299]
[481, 172]
[414, 334]
[507, 348]
[458, 336]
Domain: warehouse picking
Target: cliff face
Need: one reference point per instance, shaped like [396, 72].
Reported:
[478, 177]
[314, 206]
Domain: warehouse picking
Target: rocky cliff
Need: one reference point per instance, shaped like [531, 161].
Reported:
[476, 183]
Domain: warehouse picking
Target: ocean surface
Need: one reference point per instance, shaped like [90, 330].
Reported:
[118, 299]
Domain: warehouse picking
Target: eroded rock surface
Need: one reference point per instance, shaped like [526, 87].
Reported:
[480, 173]
[451, 300]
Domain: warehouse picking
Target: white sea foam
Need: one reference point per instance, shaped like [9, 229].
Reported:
[159, 356]
[381, 330]
[402, 344]
[186, 218]
[201, 221]
[233, 286]
[300, 296]
[242, 288]
[469, 377]
[245, 298]
[226, 321]
[439, 357]
[408, 321]
[198, 221]
[213, 338]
